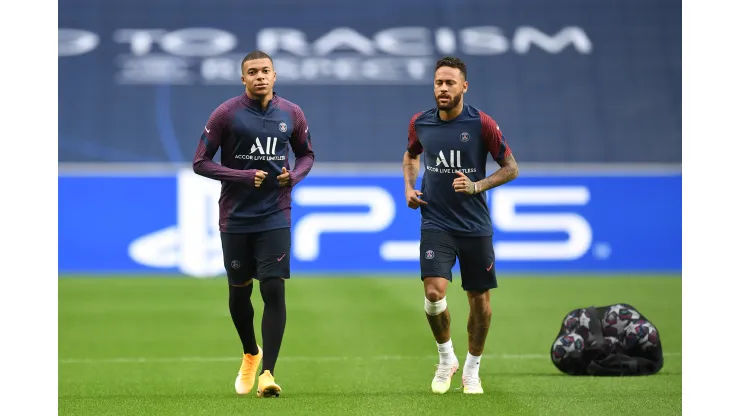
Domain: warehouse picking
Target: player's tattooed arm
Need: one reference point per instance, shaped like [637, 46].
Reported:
[411, 166]
[410, 173]
[499, 148]
[410, 170]
[508, 171]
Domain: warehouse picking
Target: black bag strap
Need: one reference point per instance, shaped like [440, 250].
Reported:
[598, 349]
[595, 326]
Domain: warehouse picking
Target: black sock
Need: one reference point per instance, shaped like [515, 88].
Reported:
[273, 320]
[242, 313]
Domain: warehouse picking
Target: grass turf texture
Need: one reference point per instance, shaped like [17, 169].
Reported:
[166, 346]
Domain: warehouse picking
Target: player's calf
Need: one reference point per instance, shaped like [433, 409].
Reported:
[435, 306]
[438, 317]
[273, 328]
[479, 321]
[273, 320]
[242, 314]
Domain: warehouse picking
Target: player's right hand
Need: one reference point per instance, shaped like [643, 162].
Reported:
[412, 199]
[259, 176]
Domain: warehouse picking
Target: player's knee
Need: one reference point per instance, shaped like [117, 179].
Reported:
[434, 308]
[433, 293]
[272, 290]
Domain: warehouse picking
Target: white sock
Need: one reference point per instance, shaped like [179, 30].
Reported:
[446, 353]
[472, 364]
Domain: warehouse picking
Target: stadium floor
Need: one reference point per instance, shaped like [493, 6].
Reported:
[166, 346]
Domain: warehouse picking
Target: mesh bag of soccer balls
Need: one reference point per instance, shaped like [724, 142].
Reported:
[613, 340]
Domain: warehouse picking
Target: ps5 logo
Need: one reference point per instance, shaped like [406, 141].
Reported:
[344, 212]
[506, 206]
[309, 229]
[193, 244]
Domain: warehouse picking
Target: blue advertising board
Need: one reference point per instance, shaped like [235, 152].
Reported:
[360, 223]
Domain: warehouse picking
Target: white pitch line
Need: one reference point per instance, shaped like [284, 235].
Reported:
[155, 360]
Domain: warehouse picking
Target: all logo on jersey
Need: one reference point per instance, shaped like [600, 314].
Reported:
[269, 146]
[454, 160]
[464, 137]
[262, 150]
[430, 254]
[449, 162]
[283, 127]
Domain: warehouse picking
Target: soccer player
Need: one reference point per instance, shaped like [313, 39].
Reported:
[455, 222]
[254, 131]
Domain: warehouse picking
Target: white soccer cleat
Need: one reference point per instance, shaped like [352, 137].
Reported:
[471, 385]
[443, 377]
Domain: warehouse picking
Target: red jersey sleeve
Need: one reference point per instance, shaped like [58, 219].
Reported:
[414, 146]
[495, 141]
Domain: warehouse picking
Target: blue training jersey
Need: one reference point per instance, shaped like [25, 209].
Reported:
[252, 139]
[462, 144]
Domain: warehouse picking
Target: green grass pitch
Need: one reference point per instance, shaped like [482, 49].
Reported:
[353, 346]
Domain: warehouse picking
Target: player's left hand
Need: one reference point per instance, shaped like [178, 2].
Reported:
[463, 184]
[284, 178]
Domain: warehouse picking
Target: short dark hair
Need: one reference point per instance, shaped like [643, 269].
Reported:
[453, 62]
[255, 55]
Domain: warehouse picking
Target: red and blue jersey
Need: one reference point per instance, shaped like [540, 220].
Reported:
[462, 144]
[252, 138]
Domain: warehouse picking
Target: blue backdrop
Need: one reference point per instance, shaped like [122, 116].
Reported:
[567, 80]
[350, 223]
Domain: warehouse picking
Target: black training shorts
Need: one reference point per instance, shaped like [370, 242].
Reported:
[261, 255]
[439, 250]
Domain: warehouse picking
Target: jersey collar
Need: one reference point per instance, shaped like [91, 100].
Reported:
[255, 104]
[439, 119]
